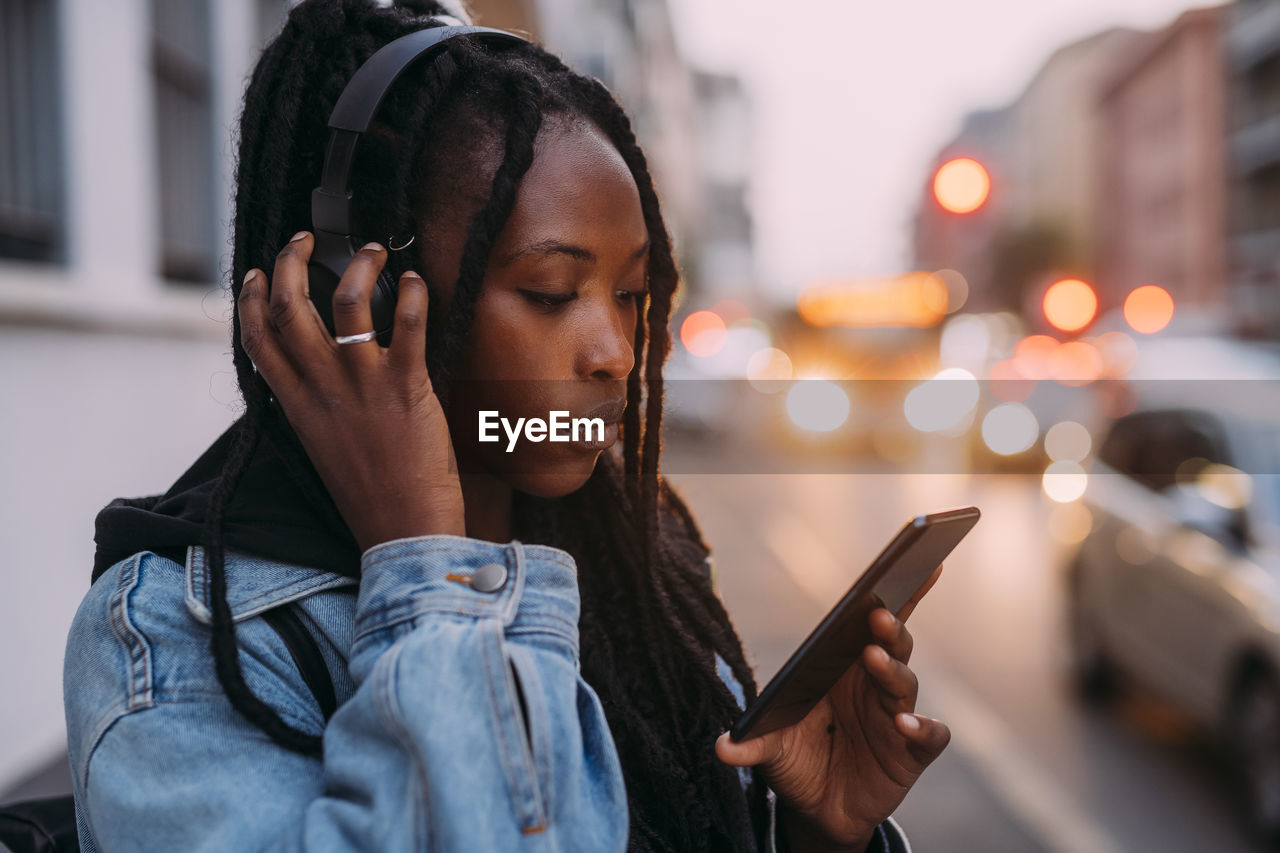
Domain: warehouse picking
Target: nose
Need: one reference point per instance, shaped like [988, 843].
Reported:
[607, 348]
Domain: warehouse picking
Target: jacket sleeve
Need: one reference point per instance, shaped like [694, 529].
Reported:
[470, 728]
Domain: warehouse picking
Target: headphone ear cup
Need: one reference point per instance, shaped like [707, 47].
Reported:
[382, 306]
[322, 283]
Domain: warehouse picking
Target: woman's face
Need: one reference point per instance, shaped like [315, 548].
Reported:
[555, 321]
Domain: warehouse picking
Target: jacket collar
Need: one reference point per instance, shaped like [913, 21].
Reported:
[254, 584]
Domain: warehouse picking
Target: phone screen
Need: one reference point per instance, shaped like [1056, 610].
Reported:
[900, 570]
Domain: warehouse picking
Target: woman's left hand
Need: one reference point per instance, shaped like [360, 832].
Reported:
[845, 767]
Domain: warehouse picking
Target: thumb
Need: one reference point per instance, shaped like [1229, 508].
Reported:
[756, 750]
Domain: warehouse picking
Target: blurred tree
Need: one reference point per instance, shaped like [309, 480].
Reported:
[1023, 255]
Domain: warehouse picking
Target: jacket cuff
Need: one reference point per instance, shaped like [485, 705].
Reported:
[404, 579]
[887, 838]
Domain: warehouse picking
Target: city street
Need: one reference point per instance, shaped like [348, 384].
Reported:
[1019, 256]
[1028, 768]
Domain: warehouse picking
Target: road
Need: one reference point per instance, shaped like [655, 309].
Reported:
[1029, 767]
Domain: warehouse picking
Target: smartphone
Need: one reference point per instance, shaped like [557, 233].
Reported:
[837, 642]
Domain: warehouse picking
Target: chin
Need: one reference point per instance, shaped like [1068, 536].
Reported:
[555, 481]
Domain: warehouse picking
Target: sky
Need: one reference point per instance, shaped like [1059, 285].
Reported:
[853, 98]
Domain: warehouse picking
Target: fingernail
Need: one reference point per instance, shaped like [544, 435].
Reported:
[910, 722]
[249, 276]
[372, 247]
[298, 236]
[412, 274]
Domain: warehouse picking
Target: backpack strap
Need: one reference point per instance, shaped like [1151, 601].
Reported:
[39, 826]
[306, 655]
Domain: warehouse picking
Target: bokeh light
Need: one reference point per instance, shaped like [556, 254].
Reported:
[965, 342]
[918, 299]
[1228, 487]
[957, 289]
[1148, 309]
[1067, 441]
[1064, 481]
[1007, 382]
[768, 369]
[1075, 363]
[942, 402]
[1070, 523]
[742, 339]
[1032, 356]
[1010, 428]
[961, 185]
[1070, 304]
[703, 333]
[1119, 353]
[819, 405]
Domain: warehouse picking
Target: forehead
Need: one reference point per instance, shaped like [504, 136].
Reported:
[578, 189]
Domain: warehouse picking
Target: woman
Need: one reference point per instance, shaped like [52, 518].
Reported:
[525, 648]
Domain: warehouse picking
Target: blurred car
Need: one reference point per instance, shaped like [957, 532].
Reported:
[1177, 585]
[696, 404]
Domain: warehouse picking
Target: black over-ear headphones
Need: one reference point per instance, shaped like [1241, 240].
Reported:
[331, 201]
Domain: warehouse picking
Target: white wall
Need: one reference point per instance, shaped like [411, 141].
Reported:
[111, 380]
[86, 418]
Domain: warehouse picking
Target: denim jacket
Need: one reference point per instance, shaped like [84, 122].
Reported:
[463, 722]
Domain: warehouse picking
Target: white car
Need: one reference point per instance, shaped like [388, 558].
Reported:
[1177, 585]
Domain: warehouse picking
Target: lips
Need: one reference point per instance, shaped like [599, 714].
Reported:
[610, 411]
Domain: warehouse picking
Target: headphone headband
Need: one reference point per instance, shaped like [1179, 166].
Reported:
[355, 109]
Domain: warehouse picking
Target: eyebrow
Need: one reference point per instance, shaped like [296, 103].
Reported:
[546, 248]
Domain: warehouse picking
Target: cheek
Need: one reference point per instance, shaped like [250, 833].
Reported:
[508, 340]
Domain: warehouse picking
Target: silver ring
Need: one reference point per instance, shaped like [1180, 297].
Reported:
[391, 243]
[356, 339]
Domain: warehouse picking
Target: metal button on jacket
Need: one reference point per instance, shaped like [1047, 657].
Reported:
[490, 577]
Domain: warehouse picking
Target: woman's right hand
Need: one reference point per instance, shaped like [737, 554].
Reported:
[367, 415]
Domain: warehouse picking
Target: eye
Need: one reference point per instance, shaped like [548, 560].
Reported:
[636, 296]
[548, 301]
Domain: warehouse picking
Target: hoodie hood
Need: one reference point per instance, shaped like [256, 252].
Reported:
[268, 515]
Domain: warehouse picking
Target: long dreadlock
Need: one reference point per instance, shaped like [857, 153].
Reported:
[650, 623]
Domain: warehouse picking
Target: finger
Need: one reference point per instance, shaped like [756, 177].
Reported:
[891, 633]
[351, 313]
[756, 750]
[920, 593]
[257, 335]
[926, 737]
[894, 678]
[301, 331]
[408, 348]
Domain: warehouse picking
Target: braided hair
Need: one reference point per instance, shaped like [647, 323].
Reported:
[650, 623]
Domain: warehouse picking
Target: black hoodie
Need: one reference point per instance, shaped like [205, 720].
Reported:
[268, 515]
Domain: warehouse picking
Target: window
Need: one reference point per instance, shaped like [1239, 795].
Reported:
[31, 179]
[1151, 447]
[181, 64]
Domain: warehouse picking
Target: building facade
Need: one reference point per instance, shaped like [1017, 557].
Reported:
[724, 238]
[1162, 168]
[1253, 144]
[1042, 154]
